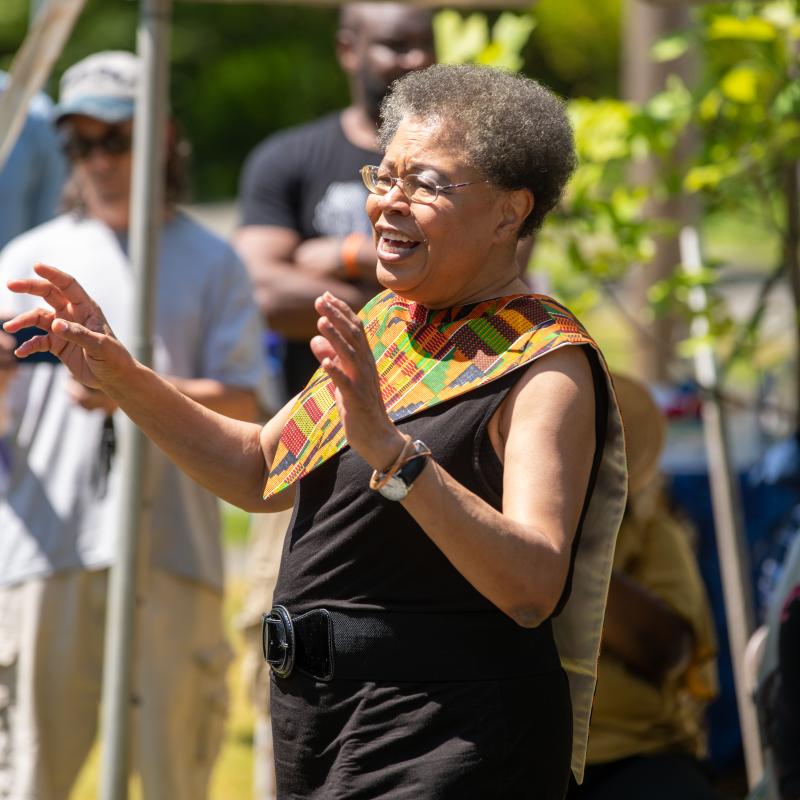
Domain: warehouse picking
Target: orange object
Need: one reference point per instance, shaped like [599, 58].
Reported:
[351, 245]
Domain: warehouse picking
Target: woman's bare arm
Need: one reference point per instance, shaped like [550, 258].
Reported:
[227, 456]
[519, 558]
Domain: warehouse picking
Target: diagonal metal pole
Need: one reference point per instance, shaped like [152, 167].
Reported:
[727, 507]
[147, 208]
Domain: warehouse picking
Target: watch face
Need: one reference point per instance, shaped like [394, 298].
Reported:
[394, 489]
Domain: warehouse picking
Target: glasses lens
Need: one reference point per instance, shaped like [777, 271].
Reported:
[419, 189]
[74, 148]
[115, 143]
[77, 148]
[368, 175]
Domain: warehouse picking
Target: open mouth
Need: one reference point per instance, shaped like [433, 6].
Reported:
[397, 244]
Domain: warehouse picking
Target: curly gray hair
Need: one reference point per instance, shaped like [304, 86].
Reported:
[509, 127]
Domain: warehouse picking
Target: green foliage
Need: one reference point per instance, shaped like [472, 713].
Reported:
[575, 48]
[238, 72]
[466, 39]
[241, 72]
[744, 115]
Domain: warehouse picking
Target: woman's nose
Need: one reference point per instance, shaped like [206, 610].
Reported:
[395, 199]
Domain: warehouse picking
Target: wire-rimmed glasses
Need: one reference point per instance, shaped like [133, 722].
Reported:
[417, 188]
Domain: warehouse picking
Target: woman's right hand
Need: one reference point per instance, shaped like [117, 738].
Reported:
[77, 331]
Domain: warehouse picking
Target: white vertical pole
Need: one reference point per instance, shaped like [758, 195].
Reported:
[727, 506]
[147, 208]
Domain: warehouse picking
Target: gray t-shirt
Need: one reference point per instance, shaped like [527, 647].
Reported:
[54, 516]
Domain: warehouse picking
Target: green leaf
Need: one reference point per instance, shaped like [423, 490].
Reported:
[669, 48]
[787, 103]
[745, 83]
[705, 176]
[459, 40]
[709, 106]
[602, 128]
[512, 31]
[754, 29]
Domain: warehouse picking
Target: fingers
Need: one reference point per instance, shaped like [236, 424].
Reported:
[37, 344]
[65, 283]
[56, 288]
[321, 348]
[75, 333]
[39, 288]
[35, 318]
[341, 346]
[340, 315]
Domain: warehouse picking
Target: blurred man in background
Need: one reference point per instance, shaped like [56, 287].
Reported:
[304, 228]
[60, 515]
[304, 231]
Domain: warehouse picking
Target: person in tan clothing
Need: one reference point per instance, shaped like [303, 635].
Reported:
[656, 672]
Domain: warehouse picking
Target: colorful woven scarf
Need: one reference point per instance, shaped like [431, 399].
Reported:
[423, 357]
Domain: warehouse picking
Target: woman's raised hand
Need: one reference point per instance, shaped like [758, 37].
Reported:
[344, 353]
[76, 330]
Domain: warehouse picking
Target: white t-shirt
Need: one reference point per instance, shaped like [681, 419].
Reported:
[52, 517]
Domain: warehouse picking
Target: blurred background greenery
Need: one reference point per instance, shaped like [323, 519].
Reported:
[240, 72]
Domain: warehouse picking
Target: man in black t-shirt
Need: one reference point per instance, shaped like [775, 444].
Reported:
[304, 228]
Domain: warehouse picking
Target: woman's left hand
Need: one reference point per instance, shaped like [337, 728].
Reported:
[344, 353]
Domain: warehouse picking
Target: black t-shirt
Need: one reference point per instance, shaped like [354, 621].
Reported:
[306, 179]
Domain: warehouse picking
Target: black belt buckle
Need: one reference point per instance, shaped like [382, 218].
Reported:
[278, 641]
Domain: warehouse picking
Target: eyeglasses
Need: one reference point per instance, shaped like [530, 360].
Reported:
[114, 143]
[417, 188]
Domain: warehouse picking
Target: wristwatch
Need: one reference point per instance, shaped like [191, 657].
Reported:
[399, 485]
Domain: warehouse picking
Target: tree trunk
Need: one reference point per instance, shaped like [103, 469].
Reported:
[642, 78]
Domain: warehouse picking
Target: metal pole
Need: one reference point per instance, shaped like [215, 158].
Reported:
[727, 507]
[147, 208]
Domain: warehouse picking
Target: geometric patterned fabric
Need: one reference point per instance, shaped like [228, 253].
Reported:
[423, 357]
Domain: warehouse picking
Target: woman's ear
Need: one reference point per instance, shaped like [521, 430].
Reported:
[515, 207]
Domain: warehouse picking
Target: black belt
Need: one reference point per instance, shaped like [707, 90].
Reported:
[394, 646]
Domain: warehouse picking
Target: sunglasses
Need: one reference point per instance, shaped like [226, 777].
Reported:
[114, 143]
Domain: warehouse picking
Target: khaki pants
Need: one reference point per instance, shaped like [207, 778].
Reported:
[51, 653]
[267, 532]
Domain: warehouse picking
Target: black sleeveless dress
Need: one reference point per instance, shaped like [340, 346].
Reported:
[350, 549]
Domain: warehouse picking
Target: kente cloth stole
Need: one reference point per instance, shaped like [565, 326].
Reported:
[424, 357]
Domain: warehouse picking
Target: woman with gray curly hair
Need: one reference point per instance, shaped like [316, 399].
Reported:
[456, 468]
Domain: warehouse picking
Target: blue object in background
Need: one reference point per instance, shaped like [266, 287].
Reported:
[34, 173]
[768, 509]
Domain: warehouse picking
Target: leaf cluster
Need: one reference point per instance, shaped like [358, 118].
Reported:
[743, 120]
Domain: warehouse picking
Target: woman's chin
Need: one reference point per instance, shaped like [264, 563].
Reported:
[397, 279]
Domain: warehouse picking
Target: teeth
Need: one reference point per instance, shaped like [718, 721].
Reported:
[397, 237]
